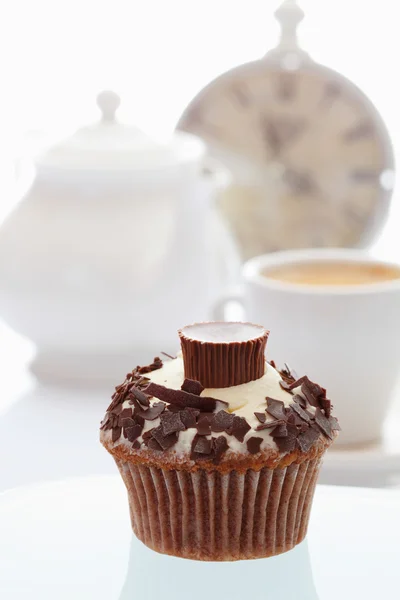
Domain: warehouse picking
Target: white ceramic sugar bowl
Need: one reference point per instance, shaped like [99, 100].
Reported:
[115, 246]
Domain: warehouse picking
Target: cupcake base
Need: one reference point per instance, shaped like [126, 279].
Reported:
[214, 516]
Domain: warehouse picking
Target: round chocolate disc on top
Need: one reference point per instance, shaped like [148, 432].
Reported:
[222, 354]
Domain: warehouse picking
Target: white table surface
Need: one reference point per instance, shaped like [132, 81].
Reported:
[72, 540]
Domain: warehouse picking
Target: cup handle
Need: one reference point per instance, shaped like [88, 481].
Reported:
[219, 309]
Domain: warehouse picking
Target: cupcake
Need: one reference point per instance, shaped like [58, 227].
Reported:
[219, 450]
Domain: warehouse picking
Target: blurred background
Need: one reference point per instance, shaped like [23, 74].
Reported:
[89, 224]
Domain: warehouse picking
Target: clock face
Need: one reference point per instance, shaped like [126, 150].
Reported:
[311, 160]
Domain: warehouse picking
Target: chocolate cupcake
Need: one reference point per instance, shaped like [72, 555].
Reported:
[219, 451]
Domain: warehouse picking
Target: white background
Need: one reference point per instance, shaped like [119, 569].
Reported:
[56, 55]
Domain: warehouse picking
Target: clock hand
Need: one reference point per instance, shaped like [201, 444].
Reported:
[300, 182]
[271, 136]
[277, 133]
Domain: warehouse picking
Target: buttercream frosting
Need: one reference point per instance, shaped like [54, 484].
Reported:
[244, 400]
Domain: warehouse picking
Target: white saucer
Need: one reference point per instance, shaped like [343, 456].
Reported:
[375, 465]
[73, 540]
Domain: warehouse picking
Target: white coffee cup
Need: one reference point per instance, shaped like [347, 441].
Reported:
[346, 338]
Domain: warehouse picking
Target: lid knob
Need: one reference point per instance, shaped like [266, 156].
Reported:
[108, 103]
[223, 354]
[289, 15]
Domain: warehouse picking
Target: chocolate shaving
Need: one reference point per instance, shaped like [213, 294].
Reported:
[168, 355]
[334, 424]
[138, 419]
[323, 423]
[302, 413]
[152, 413]
[306, 439]
[165, 441]
[239, 428]
[291, 372]
[171, 422]
[220, 446]
[141, 382]
[105, 422]
[222, 421]
[154, 445]
[156, 364]
[203, 425]
[300, 400]
[116, 433]
[272, 363]
[114, 421]
[125, 414]
[193, 454]
[285, 385]
[136, 445]
[292, 426]
[189, 416]
[326, 405]
[196, 455]
[127, 423]
[203, 445]
[132, 433]
[120, 421]
[209, 415]
[192, 387]
[310, 414]
[276, 408]
[298, 382]
[253, 444]
[270, 424]
[311, 399]
[184, 399]
[288, 374]
[303, 427]
[286, 444]
[294, 420]
[300, 424]
[140, 396]
[261, 416]
[116, 400]
[147, 435]
[280, 430]
[117, 410]
[312, 391]
[176, 408]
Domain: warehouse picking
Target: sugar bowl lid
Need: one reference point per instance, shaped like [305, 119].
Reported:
[110, 145]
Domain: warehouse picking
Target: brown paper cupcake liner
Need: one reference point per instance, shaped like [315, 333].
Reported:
[217, 516]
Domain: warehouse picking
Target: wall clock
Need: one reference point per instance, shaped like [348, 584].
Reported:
[311, 158]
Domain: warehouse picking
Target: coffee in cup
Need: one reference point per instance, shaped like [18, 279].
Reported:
[335, 315]
[335, 273]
